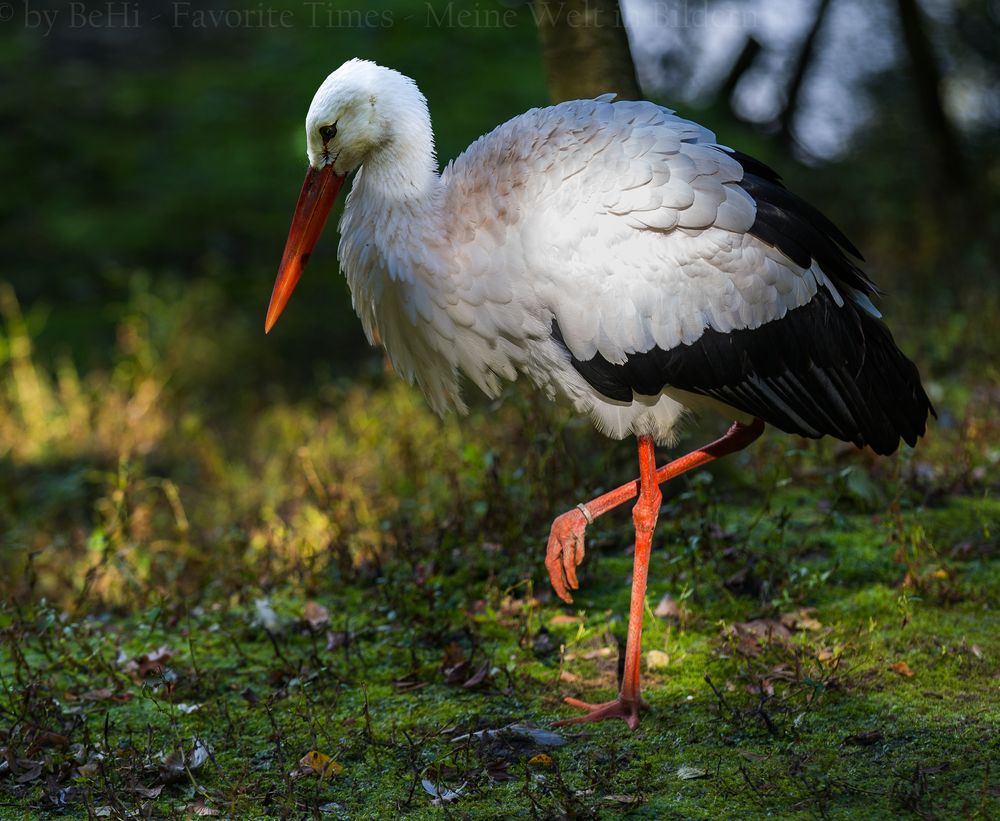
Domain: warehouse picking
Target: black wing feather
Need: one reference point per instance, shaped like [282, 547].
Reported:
[821, 369]
[793, 226]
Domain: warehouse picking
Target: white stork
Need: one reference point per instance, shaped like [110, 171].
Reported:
[621, 259]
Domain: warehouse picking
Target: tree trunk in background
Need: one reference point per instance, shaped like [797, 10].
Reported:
[744, 61]
[585, 49]
[949, 164]
[802, 63]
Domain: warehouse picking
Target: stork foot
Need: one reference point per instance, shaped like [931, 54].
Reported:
[627, 709]
[564, 552]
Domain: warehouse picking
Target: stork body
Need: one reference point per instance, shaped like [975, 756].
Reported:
[618, 257]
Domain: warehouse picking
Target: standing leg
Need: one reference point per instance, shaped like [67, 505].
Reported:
[626, 706]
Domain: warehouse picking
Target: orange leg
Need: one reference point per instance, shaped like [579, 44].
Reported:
[565, 550]
[644, 514]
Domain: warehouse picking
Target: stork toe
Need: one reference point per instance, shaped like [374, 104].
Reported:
[627, 709]
[565, 551]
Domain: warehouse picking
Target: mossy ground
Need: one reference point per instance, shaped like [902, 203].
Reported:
[254, 579]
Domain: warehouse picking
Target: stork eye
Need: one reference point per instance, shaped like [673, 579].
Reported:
[328, 132]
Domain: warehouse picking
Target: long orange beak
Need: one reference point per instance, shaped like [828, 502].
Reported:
[315, 201]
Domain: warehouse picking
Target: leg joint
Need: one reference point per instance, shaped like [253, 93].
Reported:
[647, 508]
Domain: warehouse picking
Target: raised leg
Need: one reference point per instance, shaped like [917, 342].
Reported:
[565, 550]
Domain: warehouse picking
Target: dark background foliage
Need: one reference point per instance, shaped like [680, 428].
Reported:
[166, 136]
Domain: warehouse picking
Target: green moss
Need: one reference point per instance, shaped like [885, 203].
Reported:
[845, 741]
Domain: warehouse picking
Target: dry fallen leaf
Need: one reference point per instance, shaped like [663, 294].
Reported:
[147, 663]
[45, 738]
[541, 760]
[498, 771]
[623, 799]
[411, 682]
[801, 619]
[902, 668]
[763, 687]
[316, 616]
[657, 660]
[826, 656]
[564, 618]
[479, 677]
[320, 763]
[752, 756]
[752, 635]
[177, 763]
[198, 808]
[668, 608]
[32, 774]
[89, 769]
[512, 609]
[455, 665]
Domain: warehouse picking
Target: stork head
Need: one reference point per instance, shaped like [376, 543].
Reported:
[358, 110]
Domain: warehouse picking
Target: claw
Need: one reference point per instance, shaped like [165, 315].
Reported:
[565, 552]
[627, 709]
